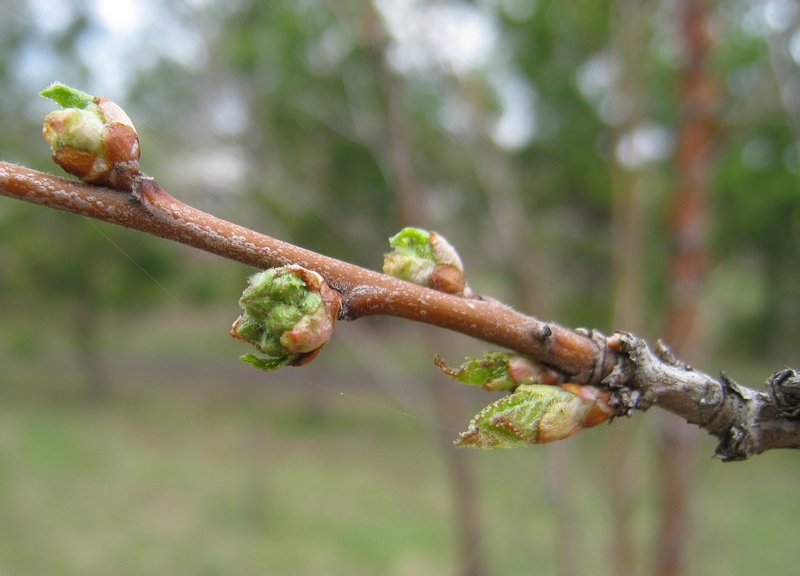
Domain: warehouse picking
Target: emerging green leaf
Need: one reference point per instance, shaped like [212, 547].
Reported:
[536, 414]
[91, 138]
[500, 371]
[411, 257]
[268, 364]
[288, 313]
[427, 259]
[66, 96]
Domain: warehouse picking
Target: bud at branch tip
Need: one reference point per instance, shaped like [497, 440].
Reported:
[92, 138]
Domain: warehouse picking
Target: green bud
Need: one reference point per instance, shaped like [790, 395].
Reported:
[91, 138]
[288, 313]
[500, 371]
[536, 414]
[411, 258]
[427, 259]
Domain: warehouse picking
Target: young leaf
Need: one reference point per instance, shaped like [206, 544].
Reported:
[66, 96]
[500, 371]
[268, 364]
[535, 414]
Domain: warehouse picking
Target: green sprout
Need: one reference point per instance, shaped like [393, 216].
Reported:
[91, 138]
[67, 97]
[427, 259]
[500, 371]
[287, 314]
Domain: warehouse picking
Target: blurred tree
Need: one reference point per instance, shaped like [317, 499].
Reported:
[757, 179]
[633, 187]
[525, 153]
[73, 271]
[77, 271]
[689, 229]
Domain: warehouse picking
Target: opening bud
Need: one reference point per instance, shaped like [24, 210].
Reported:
[288, 313]
[91, 138]
[427, 259]
[536, 414]
[500, 371]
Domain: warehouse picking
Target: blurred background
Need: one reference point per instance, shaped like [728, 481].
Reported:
[615, 164]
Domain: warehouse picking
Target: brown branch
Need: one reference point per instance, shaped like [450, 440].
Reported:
[364, 292]
[746, 421]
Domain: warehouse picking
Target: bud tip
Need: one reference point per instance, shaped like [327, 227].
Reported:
[66, 96]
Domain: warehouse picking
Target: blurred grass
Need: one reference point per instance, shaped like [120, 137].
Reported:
[197, 465]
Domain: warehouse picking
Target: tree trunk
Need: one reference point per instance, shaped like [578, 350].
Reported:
[398, 159]
[688, 269]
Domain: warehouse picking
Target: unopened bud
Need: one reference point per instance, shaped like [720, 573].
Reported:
[501, 371]
[427, 259]
[91, 138]
[598, 410]
[536, 414]
[288, 313]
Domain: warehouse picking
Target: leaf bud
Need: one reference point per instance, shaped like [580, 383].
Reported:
[428, 259]
[536, 414]
[288, 313]
[501, 371]
[91, 138]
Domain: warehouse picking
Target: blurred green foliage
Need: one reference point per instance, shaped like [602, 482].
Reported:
[274, 114]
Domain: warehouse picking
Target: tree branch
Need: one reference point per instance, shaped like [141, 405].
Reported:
[746, 421]
[148, 208]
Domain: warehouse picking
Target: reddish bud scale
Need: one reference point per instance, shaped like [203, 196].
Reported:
[87, 166]
[333, 303]
[446, 278]
[95, 142]
[600, 411]
[524, 370]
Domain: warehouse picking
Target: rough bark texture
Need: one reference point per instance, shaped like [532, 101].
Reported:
[746, 421]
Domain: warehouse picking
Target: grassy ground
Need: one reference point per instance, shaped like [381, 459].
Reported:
[185, 470]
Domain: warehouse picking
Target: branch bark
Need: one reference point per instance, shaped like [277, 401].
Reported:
[148, 208]
[746, 421]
